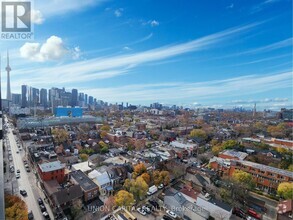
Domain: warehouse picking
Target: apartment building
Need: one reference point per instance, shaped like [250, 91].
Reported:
[267, 178]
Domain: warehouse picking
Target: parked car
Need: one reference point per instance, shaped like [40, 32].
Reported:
[17, 151]
[17, 176]
[161, 186]
[18, 171]
[146, 209]
[23, 192]
[166, 217]
[141, 211]
[154, 203]
[253, 214]
[43, 208]
[28, 170]
[30, 215]
[172, 214]
[239, 212]
[46, 215]
[40, 201]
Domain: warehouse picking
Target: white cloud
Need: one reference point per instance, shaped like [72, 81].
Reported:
[37, 17]
[127, 48]
[167, 92]
[267, 100]
[154, 23]
[76, 53]
[107, 67]
[52, 49]
[118, 12]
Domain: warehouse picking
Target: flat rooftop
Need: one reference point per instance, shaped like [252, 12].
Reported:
[83, 180]
[48, 167]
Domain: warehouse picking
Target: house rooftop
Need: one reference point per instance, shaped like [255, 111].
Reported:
[83, 180]
[52, 166]
[232, 153]
[103, 179]
[220, 204]
[266, 168]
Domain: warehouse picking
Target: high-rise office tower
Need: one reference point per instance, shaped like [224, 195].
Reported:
[16, 99]
[91, 100]
[34, 97]
[8, 69]
[44, 98]
[24, 96]
[85, 99]
[74, 96]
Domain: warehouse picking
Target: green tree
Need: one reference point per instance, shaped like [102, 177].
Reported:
[156, 177]
[243, 178]
[60, 135]
[138, 187]
[285, 190]
[84, 157]
[229, 144]
[198, 133]
[165, 177]
[124, 199]
[76, 211]
[290, 168]
[102, 144]
[105, 128]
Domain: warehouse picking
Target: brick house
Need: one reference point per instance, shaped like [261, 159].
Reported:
[52, 171]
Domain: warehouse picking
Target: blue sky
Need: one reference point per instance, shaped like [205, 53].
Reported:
[193, 53]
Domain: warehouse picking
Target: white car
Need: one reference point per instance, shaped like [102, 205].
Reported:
[141, 211]
[17, 176]
[161, 186]
[172, 214]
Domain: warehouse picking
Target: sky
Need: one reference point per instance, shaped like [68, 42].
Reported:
[201, 53]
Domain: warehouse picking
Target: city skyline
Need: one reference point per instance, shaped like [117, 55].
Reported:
[191, 60]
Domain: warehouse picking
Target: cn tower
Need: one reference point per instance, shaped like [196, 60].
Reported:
[8, 69]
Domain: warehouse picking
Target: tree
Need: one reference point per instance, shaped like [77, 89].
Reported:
[285, 190]
[105, 128]
[76, 209]
[229, 144]
[138, 187]
[198, 133]
[102, 144]
[138, 170]
[165, 177]
[156, 177]
[290, 168]
[84, 157]
[216, 149]
[124, 199]
[243, 178]
[60, 135]
[103, 134]
[15, 207]
[146, 177]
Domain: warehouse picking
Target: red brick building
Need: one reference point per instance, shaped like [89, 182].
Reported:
[267, 178]
[52, 171]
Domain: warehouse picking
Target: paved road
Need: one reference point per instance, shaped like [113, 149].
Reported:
[271, 206]
[23, 181]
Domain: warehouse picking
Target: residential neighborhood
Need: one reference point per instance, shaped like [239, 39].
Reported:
[174, 165]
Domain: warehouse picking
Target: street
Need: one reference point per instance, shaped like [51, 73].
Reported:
[27, 181]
